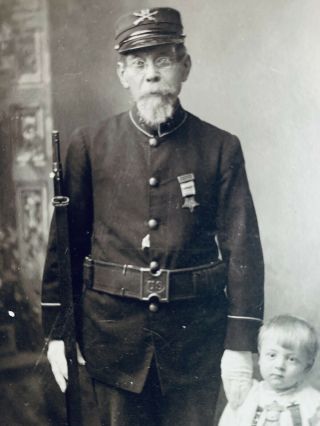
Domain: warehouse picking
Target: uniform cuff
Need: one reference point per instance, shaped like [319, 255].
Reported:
[242, 333]
[53, 323]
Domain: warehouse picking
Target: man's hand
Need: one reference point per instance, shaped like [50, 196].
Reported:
[236, 373]
[58, 362]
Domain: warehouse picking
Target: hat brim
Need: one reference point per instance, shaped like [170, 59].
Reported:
[146, 42]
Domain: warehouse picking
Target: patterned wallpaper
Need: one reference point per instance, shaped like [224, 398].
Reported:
[26, 121]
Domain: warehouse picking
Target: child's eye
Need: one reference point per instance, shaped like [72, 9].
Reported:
[271, 354]
[292, 359]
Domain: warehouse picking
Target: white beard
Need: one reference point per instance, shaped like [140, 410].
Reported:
[156, 109]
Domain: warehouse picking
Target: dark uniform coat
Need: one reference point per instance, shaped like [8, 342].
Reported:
[108, 178]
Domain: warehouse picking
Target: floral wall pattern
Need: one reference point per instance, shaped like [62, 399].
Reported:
[25, 129]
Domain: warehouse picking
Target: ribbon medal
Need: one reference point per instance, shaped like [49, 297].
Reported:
[188, 190]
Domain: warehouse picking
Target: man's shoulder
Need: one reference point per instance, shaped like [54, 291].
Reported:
[108, 125]
[212, 137]
[112, 123]
[209, 127]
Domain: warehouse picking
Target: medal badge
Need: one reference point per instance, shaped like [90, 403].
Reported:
[273, 412]
[188, 191]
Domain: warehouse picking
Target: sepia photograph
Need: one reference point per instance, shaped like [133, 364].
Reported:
[159, 225]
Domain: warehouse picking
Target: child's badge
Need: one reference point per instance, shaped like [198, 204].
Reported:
[188, 191]
[273, 412]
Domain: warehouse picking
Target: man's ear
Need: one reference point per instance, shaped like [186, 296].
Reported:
[186, 64]
[121, 74]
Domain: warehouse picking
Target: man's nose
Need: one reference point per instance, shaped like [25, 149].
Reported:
[151, 71]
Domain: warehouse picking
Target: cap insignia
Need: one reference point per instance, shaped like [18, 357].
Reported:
[144, 14]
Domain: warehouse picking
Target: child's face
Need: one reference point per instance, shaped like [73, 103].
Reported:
[280, 367]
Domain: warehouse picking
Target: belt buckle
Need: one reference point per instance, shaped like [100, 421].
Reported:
[154, 285]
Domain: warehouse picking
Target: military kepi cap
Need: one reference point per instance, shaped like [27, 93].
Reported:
[147, 28]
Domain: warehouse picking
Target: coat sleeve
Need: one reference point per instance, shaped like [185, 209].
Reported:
[77, 186]
[239, 241]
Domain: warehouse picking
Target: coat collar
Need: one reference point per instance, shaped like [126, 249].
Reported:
[178, 118]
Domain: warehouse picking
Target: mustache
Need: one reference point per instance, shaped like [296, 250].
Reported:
[162, 92]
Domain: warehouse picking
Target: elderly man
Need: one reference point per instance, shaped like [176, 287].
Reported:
[162, 219]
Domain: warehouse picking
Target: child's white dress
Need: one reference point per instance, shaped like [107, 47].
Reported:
[265, 407]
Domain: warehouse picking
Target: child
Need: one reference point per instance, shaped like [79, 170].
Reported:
[287, 349]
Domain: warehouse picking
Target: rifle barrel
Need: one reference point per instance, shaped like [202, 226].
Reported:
[60, 203]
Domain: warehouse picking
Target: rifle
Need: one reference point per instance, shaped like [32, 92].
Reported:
[60, 203]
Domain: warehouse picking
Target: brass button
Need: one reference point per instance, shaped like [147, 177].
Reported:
[154, 266]
[153, 181]
[153, 307]
[153, 223]
[153, 142]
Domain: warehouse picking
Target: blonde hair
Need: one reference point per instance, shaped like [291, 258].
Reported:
[291, 332]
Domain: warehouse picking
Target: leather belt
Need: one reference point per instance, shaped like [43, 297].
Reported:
[165, 285]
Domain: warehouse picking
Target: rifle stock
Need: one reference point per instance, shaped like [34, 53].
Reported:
[60, 203]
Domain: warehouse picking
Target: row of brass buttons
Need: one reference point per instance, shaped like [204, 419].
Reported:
[153, 142]
[153, 307]
[154, 266]
[153, 181]
[153, 224]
